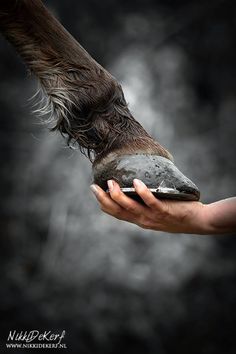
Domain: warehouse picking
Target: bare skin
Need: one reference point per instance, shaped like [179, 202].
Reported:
[165, 215]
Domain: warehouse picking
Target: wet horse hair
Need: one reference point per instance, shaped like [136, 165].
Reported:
[86, 102]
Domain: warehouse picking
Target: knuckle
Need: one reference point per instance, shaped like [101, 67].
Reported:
[117, 213]
[130, 208]
[152, 203]
[165, 211]
[145, 223]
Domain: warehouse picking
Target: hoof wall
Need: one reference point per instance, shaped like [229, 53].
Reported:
[159, 174]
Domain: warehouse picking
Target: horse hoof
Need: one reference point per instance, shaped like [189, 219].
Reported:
[159, 174]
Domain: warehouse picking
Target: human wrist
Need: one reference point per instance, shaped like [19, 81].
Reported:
[208, 224]
[199, 220]
[221, 216]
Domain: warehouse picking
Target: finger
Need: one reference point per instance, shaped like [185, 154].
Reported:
[125, 202]
[104, 198]
[109, 206]
[149, 199]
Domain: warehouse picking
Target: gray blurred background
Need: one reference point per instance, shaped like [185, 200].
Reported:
[113, 287]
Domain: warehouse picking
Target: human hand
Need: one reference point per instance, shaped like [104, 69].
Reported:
[155, 214]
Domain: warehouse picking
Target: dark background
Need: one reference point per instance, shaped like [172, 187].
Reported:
[113, 287]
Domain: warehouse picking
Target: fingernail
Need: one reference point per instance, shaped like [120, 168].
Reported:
[110, 185]
[138, 183]
[94, 189]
